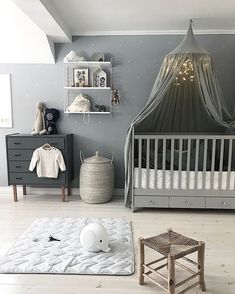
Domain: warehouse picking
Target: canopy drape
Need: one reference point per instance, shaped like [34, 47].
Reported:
[185, 97]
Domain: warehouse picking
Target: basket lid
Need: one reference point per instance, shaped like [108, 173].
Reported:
[97, 158]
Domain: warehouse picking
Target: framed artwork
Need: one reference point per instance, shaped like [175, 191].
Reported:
[81, 77]
[99, 78]
[5, 94]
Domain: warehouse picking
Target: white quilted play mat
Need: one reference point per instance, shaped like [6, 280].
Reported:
[32, 253]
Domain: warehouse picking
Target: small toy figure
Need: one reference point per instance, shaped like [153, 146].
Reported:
[51, 116]
[115, 98]
[94, 238]
[100, 108]
[51, 239]
[39, 123]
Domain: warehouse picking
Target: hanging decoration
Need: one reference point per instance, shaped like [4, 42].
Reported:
[115, 97]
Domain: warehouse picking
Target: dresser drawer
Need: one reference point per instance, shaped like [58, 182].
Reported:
[19, 166]
[151, 201]
[34, 142]
[187, 202]
[20, 154]
[220, 202]
[32, 178]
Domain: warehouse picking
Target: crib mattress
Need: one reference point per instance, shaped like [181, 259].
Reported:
[196, 180]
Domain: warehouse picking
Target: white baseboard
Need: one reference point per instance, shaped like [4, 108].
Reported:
[74, 191]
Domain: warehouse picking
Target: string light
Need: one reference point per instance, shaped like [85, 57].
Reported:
[186, 72]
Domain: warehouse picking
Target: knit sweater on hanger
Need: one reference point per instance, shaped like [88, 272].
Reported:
[48, 161]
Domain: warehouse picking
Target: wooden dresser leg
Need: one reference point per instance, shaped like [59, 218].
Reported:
[201, 264]
[63, 193]
[15, 193]
[24, 189]
[141, 247]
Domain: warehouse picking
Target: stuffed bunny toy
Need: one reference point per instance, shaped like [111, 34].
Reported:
[39, 122]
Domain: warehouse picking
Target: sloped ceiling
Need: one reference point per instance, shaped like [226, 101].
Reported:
[21, 40]
[29, 28]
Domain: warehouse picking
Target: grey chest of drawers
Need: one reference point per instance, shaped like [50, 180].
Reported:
[20, 148]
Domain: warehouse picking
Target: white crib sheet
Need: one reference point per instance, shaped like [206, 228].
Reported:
[193, 184]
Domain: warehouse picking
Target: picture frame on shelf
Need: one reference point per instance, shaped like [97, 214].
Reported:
[99, 78]
[81, 77]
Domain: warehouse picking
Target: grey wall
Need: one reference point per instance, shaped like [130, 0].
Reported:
[137, 60]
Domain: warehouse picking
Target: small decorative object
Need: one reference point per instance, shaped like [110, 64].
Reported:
[96, 179]
[99, 78]
[73, 56]
[115, 98]
[39, 123]
[80, 77]
[51, 239]
[98, 57]
[51, 116]
[100, 108]
[81, 103]
[94, 238]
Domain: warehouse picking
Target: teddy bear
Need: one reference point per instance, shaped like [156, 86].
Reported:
[39, 122]
[51, 116]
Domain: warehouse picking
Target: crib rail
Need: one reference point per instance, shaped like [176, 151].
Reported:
[188, 162]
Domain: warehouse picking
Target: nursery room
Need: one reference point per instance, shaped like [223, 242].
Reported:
[117, 137]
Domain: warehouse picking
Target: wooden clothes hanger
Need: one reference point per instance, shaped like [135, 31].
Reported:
[47, 146]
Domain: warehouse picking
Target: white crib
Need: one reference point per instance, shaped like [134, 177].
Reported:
[183, 171]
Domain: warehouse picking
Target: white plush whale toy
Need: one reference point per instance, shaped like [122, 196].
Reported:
[94, 238]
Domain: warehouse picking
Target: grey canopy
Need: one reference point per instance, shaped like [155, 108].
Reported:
[185, 97]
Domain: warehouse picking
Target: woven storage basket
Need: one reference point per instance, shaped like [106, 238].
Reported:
[96, 179]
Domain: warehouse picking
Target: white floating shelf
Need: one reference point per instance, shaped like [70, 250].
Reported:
[90, 63]
[90, 112]
[87, 88]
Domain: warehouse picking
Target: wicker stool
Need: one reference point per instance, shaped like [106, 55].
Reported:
[172, 246]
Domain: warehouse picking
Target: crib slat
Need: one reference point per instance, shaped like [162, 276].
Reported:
[196, 165]
[221, 163]
[180, 165]
[172, 163]
[147, 164]
[164, 164]
[204, 165]
[140, 163]
[230, 148]
[188, 164]
[213, 164]
[155, 163]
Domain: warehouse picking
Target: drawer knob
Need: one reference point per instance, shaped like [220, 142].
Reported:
[18, 178]
[17, 154]
[151, 201]
[188, 202]
[18, 166]
[16, 143]
[224, 203]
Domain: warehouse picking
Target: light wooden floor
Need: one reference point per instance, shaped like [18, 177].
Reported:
[216, 228]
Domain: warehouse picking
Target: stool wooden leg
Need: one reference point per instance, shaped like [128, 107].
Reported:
[201, 263]
[15, 193]
[141, 247]
[171, 274]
